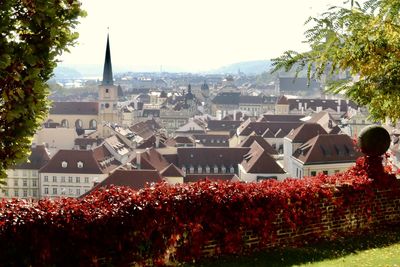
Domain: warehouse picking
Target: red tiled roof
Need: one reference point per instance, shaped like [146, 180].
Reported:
[72, 157]
[259, 161]
[261, 141]
[152, 159]
[305, 132]
[136, 179]
[81, 108]
[279, 129]
[327, 148]
[172, 171]
[282, 100]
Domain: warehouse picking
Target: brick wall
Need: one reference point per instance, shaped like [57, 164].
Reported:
[339, 217]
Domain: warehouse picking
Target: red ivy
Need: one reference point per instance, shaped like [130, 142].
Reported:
[118, 225]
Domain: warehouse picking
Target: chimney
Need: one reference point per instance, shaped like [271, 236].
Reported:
[338, 109]
[234, 115]
[129, 166]
[157, 140]
[339, 101]
[138, 161]
[299, 105]
[305, 106]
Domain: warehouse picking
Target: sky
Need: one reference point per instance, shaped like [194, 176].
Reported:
[190, 35]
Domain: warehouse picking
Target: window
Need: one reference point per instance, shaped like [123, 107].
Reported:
[215, 169]
[223, 169]
[25, 182]
[78, 191]
[24, 173]
[64, 164]
[46, 178]
[232, 170]
[34, 182]
[325, 172]
[62, 179]
[77, 179]
[55, 191]
[86, 180]
[54, 179]
[70, 179]
[15, 182]
[34, 173]
[336, 171]
[16, 193]
[25, 193]
[34, 193]
[107, 90]
[46, 190]
[15, 172]
[313, 173]
[5, 191]
[80, 164]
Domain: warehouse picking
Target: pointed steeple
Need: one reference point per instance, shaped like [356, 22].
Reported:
[107, 71]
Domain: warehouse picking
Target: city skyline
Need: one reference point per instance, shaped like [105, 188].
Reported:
[190, 36]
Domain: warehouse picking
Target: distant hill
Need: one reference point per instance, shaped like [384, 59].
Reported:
[247, 67]
[62, 72]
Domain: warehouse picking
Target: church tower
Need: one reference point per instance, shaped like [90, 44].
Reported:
[108, 92]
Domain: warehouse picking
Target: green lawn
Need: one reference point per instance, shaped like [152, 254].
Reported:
[374, 249]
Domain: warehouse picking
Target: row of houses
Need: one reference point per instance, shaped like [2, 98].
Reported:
[273, 147]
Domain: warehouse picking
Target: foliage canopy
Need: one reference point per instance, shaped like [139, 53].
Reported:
[362, 39]
[32, 35]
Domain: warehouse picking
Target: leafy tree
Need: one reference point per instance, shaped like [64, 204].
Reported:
[363, 39]
[32, 34]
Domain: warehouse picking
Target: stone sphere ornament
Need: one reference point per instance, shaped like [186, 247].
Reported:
[374, 140]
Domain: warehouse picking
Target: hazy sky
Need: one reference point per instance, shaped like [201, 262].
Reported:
[191, 35]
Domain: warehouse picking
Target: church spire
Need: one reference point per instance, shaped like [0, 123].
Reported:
[107, 71]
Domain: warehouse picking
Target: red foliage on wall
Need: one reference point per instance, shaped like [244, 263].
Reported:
[120, 226]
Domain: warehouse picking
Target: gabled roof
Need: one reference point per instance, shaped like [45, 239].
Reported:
[259, 161]
[282, 100]
[327, 148]
[260, 141]
[152, 159]
[305, 132]
[172, 171]
[325, 119]
[190, 127]
[74, 108]
[72, 157]
[38, 158]
[105, 159]
[142, 129]
[136, 179]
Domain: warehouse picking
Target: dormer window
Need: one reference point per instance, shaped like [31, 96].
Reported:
[80, 164]
[64, 164]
